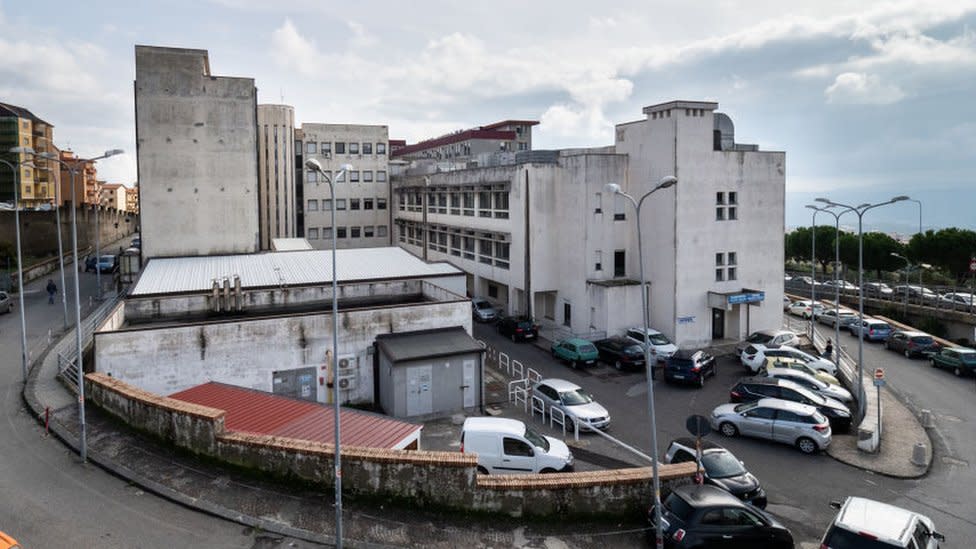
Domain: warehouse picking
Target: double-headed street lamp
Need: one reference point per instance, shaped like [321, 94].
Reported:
[860, 210]
[15, 167]
[614, 188]
[314, 165]
[908, 286]
[813, 273]
[836, 215]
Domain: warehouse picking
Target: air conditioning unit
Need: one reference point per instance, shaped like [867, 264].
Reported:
[347, 375]
[348, 383]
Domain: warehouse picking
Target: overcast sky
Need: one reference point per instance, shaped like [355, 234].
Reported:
[868, 102]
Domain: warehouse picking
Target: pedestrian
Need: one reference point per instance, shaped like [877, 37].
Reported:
[829, 349]
[52, 289]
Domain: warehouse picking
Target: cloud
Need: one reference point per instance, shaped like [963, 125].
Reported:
[292, 50]
[574, 125]
[862, 89]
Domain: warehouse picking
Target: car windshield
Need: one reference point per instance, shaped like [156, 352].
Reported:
[536, 439]
[633, 350]
[759, 337]
[658, 339]
[575, 398]
[722, 465]
[968, 358]
[481, 305]
[839, 538]
[923, 340]
[587, 349]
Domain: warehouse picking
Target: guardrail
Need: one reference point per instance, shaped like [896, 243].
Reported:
[803, 289]
[67, 351]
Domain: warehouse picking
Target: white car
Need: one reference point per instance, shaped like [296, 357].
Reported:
[958, 300]
[508, 446]
[661, 346]
[805, 308]
[807, 381]
[844, 285]
[769, 338]
[577, 404]
[815, 362]
[862, 522]
[834, 317]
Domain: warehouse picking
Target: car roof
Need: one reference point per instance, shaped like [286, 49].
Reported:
[689, 442]
[874, 321]
[560, 385]
[884, 521]
[686, 353]
[650, 331]
[494, 424]
[576, 341]
[616, 340]
[788, 405]
[704, 495]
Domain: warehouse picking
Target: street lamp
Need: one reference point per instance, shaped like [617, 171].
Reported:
[860, 210]
[15, 168]
[908, 264]
[813, 274]
[314, 165]
[836, 215]
[72, 169]
[919, 202]
[614, 188]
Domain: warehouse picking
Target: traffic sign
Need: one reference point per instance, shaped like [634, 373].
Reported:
[972, 264]
[879, 373]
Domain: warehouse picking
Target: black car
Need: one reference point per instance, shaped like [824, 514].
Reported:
[750, 389]
[704, 516]
[518, 328]
[620, 352]
[721, 468]
[688, 366]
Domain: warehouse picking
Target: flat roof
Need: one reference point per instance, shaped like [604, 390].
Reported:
[289, 244]
[253, 411]
[167, 275]
[404, 346]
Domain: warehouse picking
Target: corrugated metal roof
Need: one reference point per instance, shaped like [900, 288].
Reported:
[402, 346]
[194, 274]
[289, 244]
[252, 411]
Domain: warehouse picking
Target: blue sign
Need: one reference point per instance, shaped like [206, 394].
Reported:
[686, 320]
[755, 297]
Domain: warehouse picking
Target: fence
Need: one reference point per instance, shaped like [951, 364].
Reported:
[67, 350]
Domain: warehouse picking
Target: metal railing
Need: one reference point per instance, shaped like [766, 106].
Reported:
[895, 299]
[67, 351]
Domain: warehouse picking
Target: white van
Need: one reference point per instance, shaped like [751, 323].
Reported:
[863, 522]
[508, 446]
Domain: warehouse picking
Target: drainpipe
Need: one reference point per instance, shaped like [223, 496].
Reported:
[238, 298]
[215, 296]
[528, 254]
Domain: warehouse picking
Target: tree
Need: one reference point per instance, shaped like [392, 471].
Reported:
[948, 249]
[799, 243]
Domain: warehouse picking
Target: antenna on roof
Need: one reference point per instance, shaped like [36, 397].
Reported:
[281, 92]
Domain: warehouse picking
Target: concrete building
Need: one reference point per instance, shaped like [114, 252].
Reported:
[113, 195]
[501, 137]
[196, 138]
[19, 127]
[276, 173]
[362, 196]
[86, 180]
[543, 226]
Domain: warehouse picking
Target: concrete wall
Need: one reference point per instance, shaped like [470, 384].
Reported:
[38, 230]
[276, 173]
[445, 479]
[197, 156]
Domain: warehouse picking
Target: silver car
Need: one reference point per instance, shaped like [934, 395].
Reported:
[483, 310]
[815, 362]
[806, 380]
[783, 421]
[835, 318]
[577, 404]
[6, 303]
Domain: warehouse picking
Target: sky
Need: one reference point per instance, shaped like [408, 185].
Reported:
[869, 99]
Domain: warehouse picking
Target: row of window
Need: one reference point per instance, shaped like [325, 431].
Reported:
[352, 176]
[487, 248]
[353, 203]
[368, 231]
[725, 266]
[485, 203]
[341, 147]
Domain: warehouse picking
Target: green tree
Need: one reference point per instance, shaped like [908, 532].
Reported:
[799, 244]
[947, 249]
[877, 252]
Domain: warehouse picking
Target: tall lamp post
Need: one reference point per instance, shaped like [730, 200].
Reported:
[72, 169]
[836, 215]
[614, 188]
[15, 168]
[860, 210]
[908, 264]
[919, 202]
[813, 275]
[314, 165]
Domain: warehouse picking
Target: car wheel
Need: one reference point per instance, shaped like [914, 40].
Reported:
[514, 340]
[908, 354]
[728, 429]
[701, 380]
[806, 445]
[958, 371]
[573, 364]
[932, 363]
[547, 471]
[482, 470]
[618, 365]
[888, 347]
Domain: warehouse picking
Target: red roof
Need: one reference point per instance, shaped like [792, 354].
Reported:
[511, 123]
[505, 135]
[253, 411]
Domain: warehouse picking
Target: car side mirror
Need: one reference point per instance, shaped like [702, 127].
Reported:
[835, 505]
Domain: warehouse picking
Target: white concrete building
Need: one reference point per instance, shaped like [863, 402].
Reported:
[196, 151]
[362, 196]
[276, 173]
[544, 226]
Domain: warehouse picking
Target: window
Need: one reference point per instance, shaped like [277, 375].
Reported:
[354, 232]
[719, 275]
[732, 216]
[327, 233]
[484, 251]
[367, 176]
[733, 198]
[380, 203]
[501, 254]
[381, 148]
[367, 148]
[354, 176]
[340, 204]
[731, 274]
[468, 242]
[353, 203]
[381, 230]
[468, 199]
[340, 147]
[456, 245]
[313, 234]
[620, 263]
[327, 205]
[719, 214]
[515, 447]
[313, 205]
[619, 212]
[720, 199]
[523, 146]
[354, 148]
[762, 413]
[493, 291]
[326, 148]
[367, 203]
[311, 177]
[731, 258]
[310, 147]
[719, 259]
[368, 231]
[484, 204]
[380, 176]
[567, 314]
[340, 232]
[598, 261]
[598, 200]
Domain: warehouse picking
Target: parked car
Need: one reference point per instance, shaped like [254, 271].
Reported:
[705, 516]
[483, 310]
[661, 346]
[916, 294]
[577, 404]
[687, 366]
[620, 352]
[577, 352]
[807, 381]
[750, 389]
[797, 364]
[754, 358]
[877, 289]
[508, 446]
[835, 317]
[806, 308]
[911, 344]
[871, 329]
[863, 522]
[843, 285]
[959, 301]
[108, 264]
[958, 359]
[774, 419]
[768, 338]
[786, 303]
[720, 468]
[6, 303]
[805, 281]
[518, 328]
[136, 242]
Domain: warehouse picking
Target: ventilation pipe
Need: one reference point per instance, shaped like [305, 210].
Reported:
[238, 297]
[215, 296]
[226, 306]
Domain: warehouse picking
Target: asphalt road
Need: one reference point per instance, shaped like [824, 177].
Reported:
[51, 500]
[799, 487]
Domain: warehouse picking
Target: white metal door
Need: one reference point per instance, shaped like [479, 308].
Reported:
[419, 395]
[469, 384]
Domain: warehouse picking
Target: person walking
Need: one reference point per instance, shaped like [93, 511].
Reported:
[829, 349]
[52, 289]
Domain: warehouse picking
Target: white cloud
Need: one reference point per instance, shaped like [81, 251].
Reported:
[575, 126]
[292, 50]
[864, 89]
[361, 38]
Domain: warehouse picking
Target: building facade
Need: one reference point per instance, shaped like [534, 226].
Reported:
[362, 196]
[276, 173]
[85, 180]
[113, 195]
[132, 200]
[38, 184]
[501, 137]
[541, 236]
[196, 138]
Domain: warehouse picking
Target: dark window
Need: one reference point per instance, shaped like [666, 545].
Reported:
[367, 148]
[515, 447]
[788, 416]
[340, 147]
[620, 263]
[492, 290]
[762, 413]
[567, 314]
[682, 456]
[340, 232]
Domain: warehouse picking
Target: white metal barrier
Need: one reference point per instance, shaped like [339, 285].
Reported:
[504, 362]
[518, 370]
[518, 392]
[533, 375]
[538, 405]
